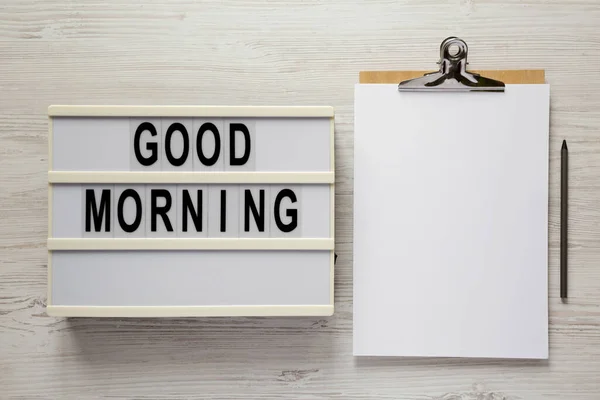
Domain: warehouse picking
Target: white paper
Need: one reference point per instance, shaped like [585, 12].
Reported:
[451, 223]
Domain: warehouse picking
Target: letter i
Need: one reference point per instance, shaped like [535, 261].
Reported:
[223, 210]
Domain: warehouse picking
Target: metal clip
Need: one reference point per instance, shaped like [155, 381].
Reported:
[453, 75]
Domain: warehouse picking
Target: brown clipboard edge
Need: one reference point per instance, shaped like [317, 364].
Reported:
[510, 76]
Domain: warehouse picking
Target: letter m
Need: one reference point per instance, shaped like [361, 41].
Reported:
[92, 211]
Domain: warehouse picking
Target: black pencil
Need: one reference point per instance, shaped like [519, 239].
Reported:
[564, 201]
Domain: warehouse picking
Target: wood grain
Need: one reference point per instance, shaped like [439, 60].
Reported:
[276, 52]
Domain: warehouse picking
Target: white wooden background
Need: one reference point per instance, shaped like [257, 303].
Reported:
[275, 52]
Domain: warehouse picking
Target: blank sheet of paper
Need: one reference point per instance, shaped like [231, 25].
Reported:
[451, 223]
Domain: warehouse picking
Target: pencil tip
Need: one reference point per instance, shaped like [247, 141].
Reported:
[564, 145]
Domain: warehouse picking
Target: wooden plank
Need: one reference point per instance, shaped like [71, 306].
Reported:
[509, 76]
[266, 52]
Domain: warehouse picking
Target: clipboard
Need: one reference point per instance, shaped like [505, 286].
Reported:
[456, 62]
[509, 76]
[451, 212]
